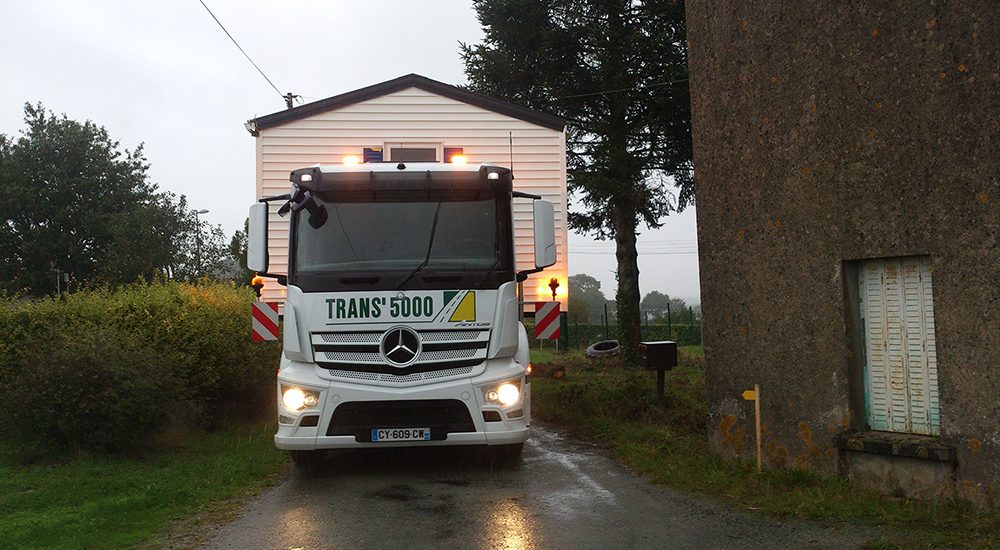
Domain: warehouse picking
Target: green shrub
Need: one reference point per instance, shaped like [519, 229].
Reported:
[144, 354]
[107, 392]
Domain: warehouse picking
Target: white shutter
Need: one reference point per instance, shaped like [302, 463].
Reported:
[901, 368]
[872, 292]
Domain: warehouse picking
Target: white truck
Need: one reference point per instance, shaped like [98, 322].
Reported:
[401, 323]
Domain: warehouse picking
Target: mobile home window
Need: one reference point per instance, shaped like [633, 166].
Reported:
[413, 152]
[900, 360]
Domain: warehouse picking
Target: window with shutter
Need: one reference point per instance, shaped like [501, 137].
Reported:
[897, 313]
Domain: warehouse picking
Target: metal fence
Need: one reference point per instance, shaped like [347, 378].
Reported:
[580, 335]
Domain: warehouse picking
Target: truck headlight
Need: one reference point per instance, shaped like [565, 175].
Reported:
[504, 394]
[297, 399]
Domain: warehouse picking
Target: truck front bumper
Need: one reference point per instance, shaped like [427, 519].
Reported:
[456, 410]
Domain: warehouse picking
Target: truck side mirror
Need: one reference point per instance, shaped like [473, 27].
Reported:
[545, 234]
[257, 238]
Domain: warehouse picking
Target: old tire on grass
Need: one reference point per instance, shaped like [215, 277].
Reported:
[603, 348]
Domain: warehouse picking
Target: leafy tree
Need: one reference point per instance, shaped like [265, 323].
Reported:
[72, 200]
[617, 72]
[202, 249]
[586, 297]
[656, 304]
[238, 255]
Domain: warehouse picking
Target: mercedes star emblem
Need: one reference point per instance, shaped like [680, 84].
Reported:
[400, 346]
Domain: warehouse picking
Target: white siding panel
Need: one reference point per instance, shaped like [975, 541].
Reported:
[414, 115]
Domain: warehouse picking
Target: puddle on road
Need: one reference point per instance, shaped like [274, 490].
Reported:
[570, 499]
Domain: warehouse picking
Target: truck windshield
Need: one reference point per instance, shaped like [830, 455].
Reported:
[393, 239]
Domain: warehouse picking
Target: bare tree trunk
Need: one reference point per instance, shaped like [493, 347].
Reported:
[627, 295]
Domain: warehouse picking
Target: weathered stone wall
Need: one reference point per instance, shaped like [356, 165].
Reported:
[833, 131]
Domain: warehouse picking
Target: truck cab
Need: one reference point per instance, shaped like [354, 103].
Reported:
[401, 322]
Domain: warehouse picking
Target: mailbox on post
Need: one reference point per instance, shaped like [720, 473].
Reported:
[658, 356]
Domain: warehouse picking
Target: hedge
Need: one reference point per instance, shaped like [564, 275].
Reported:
[108, 370]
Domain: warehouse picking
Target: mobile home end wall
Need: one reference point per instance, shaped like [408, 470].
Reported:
[413, 115]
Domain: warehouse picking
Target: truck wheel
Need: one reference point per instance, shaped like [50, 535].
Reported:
[307, 457]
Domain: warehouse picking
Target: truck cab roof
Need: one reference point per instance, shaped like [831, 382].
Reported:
[406, 167]
[402, 175]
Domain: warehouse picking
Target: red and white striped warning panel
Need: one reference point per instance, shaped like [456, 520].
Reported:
[547, 320]
[265, 321]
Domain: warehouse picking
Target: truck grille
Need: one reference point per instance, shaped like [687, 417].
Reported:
[442, 416]
[441, 350]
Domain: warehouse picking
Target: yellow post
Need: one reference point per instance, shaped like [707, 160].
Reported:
[756, 409]
[754, 395]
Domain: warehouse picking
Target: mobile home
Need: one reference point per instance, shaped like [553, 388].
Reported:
[417, 119]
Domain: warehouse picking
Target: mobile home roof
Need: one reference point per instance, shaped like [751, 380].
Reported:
[409, 81]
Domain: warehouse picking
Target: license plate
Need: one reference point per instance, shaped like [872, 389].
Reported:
[400, 434]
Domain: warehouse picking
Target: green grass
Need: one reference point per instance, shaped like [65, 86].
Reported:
[542, 356]
[616, 406]
[112, 502]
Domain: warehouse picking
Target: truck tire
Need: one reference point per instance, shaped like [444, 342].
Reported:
[603, 348]
[303, 458]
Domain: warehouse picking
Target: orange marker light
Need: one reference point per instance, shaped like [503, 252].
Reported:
[257, 283]
[459, 159]
[352, 159]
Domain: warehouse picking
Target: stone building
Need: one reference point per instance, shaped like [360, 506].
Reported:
[848, 183]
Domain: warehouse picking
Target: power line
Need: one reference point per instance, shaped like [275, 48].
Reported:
[221, 26]
[602, 92]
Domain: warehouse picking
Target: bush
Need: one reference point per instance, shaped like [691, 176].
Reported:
[104, 370]
[107, 392]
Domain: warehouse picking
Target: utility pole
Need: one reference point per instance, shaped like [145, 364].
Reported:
[197, 242]
[290, 99]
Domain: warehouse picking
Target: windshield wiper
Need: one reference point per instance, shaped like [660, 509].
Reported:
[430, 246]
[489, 271]
[496, 258]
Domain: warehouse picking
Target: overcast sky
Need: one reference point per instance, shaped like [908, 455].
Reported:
[164, 74]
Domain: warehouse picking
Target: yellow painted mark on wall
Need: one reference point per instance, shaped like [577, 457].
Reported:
[466, 310]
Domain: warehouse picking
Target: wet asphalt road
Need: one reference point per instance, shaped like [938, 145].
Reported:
[562, 494]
